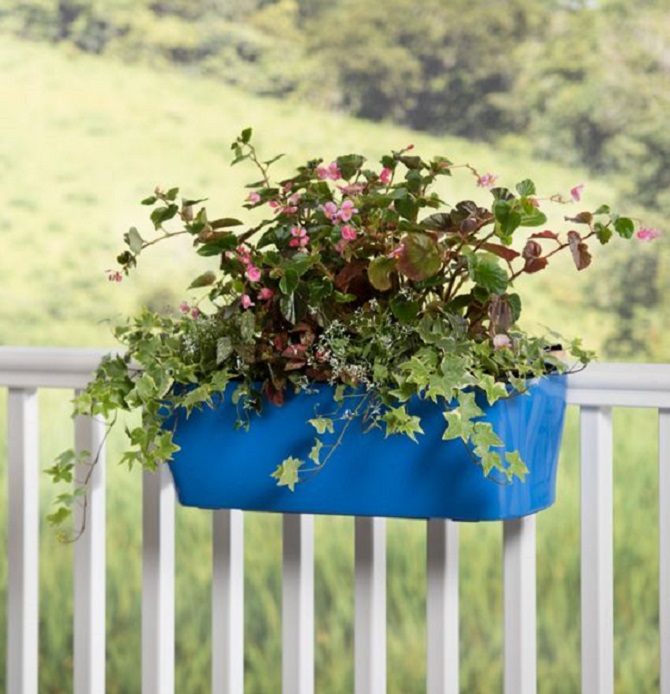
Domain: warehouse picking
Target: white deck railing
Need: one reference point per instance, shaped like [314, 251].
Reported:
[595, 391]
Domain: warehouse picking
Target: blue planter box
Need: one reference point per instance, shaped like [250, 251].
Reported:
[369, 475]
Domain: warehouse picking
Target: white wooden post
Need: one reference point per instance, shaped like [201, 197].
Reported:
[89, 559]
[298, 604]
[370, 622]
[228, 602]
[520, 605]
[442, 611]
[23, 542]
[158, 505]
[597, 551]
[664, 545]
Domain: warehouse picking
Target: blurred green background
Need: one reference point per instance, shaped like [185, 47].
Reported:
[102, 101]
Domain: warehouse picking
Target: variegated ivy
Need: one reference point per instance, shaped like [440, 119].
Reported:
[357, 275]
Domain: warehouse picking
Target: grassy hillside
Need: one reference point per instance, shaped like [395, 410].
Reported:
[82, 140]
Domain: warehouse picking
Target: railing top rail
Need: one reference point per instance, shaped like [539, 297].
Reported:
[64, 367]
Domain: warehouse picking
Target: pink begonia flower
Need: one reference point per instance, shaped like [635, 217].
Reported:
[294, 199]
[647, 234]
[184, 307]
[253, 198]
[195, 312]
[347, 211]
[332, 171]
[246, 301]
[341, 245]
[287, 186]
[114, 276]
[396, 252]
[275, 205]
[289, 209]
[330, 210]
[386, 175]
[265, 294]
[348, 232]
[500, 341]
[534, 202]
[253, 273]
[300, 237]
[487, 180]
[576, 192]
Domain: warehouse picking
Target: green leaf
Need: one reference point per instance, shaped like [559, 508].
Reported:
[163, 214]
[624, 227]
[488, 274]
[289, 282]
[204, 280]
[247, 325]
[404, 309]
[407, 208]
[349, 164]
[419, 256]
[379, 273]
[603, 233]
[484, 437]
[322, 425]
[514, 302]
[225, 222]
[245, 136]
[526, 187]
[286, 474]
[507, 219]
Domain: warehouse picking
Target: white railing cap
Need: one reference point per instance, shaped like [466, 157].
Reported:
[48, 367]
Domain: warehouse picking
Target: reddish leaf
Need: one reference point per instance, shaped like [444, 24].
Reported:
[580, 251]
[532, 252]
[501, 251]
[546, 234]
[349, 272]
[274, 395]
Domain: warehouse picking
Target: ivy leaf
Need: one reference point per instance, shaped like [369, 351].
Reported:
[322, 425]
[483, 436]
[315, 453]
[286, 474]
[399, 421]
[517, 468]
[494, 389]
[459, 420]
[488, 459]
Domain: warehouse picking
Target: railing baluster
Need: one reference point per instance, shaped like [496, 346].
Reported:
[370, 625]
[298, 604]
[228, 602]
[158, 556]
[23, 541]
[442, 613]
[89, 559]
[664, 545]
[597, 551]
[520, 606]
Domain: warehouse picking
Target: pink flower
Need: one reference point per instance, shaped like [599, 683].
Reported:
[300, 237]
[184, 307]
[253, 198]
[265, 294]
[275, 205]
[487, 180]
[386, 175]
[330, 210]
[287, 186]
[289, 209]
[114, 276]
[352, 188]
[501, 341]
[647, 234]
[253, 273]
[195, 312]
[348, 232]
[346, 211]
[244, 255]
[294, 199]
[341, 245]
[332, 171]
[576, 192]
[246, 301]
[534, 202]
[396, 252]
